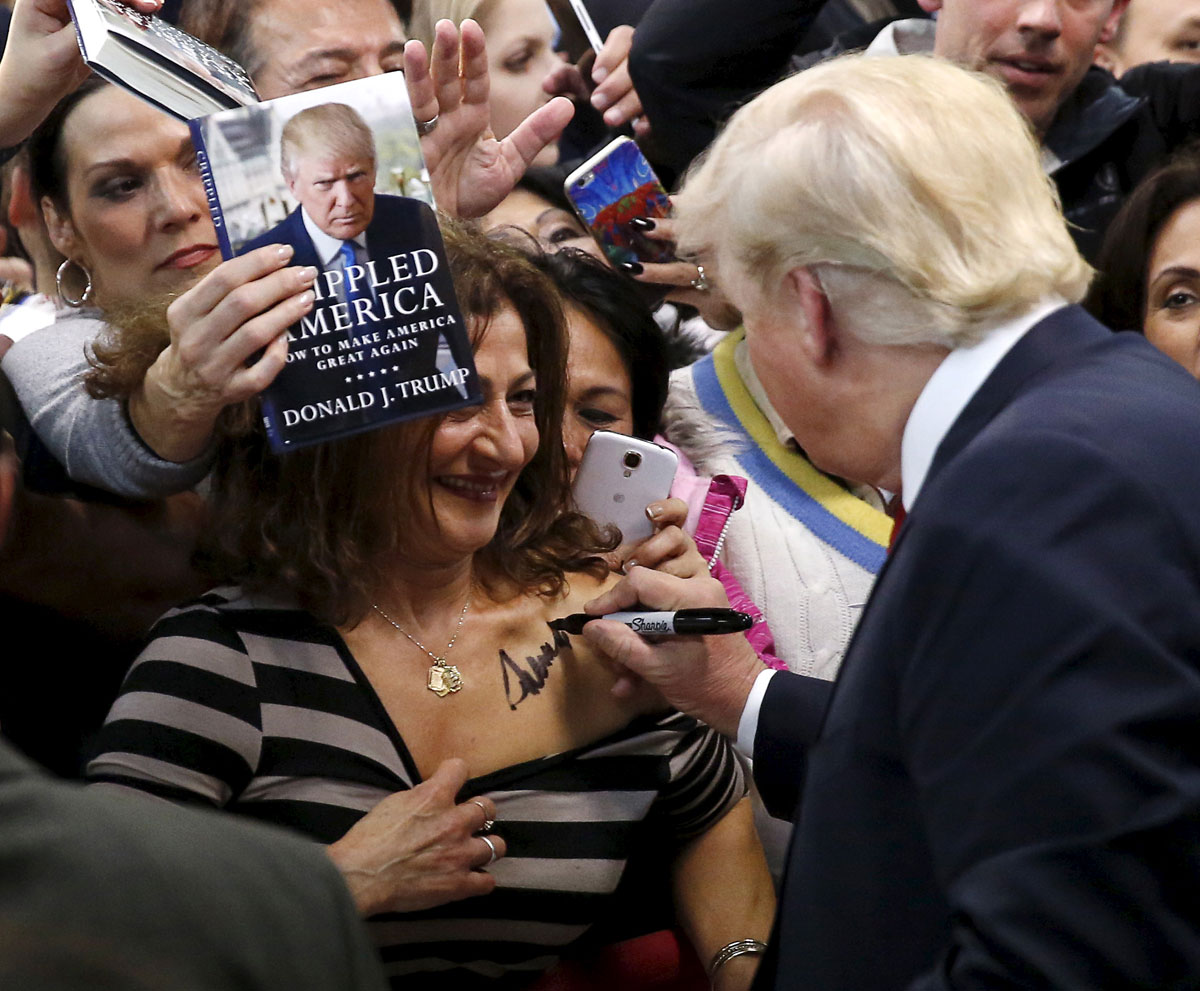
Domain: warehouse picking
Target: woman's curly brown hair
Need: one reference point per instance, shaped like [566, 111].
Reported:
[326, 523]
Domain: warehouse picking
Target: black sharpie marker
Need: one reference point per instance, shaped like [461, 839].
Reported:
[681, 622]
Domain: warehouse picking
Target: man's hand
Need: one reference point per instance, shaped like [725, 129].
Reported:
[41, 64]
[611, 89]
[615, 96]
[706, 677]
[470, 169]
[417, 849]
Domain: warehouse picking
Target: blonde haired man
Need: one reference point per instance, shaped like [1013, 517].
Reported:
[1001, 789]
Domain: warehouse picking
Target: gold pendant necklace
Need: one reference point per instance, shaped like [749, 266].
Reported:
[443, 678]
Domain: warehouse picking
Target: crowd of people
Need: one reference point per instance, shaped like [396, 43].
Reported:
[926, 348]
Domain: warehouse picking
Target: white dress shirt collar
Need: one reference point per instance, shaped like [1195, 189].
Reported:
[950, 388]
[328, 248]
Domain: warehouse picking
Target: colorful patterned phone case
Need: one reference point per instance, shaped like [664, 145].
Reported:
[610, 190]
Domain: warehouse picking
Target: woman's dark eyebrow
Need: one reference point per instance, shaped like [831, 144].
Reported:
[554, 209]
[110, 163]
[1177, 271]
[484, 381]
[603, 390]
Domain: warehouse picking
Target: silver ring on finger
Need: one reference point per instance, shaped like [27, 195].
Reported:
[427, 127]
[487, 823]
[700, 283]
[491, 846]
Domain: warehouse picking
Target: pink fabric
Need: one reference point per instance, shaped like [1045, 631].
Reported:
[710, 504]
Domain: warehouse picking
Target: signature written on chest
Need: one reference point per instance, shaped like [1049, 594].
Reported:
[529, 677]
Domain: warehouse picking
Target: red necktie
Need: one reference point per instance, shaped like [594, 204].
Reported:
[897, 523]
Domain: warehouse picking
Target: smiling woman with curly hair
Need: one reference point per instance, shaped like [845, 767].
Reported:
[395, 590]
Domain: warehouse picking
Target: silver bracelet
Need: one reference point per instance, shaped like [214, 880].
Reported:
[738, 948]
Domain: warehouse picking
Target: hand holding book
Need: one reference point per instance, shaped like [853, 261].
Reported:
[338, 175]
[471, 171]
[228, 343]
[41, 64]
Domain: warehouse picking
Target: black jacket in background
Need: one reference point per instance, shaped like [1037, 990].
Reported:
[1112, 134]
[696, 61]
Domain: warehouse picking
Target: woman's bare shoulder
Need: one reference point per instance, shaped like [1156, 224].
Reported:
[592, 666]
[582, 588]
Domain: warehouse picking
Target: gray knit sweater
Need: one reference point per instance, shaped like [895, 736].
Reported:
[92, 438]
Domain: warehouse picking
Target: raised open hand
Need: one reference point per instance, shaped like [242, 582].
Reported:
[470, 169]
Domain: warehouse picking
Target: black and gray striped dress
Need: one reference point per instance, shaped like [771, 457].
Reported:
[256, 707]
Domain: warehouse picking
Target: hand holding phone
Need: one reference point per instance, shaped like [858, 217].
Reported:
[619, 477]
[612, 188]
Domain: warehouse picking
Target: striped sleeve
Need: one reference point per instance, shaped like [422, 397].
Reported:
[187, 725]
[707, 779]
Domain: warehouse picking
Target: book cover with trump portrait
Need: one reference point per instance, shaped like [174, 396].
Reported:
[337, 173]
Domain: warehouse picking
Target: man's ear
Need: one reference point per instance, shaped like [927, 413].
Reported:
[817, 338]
[930, 6]
[61, 229]
[1109, 31]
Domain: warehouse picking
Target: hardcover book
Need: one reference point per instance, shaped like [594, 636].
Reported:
[158, 62]
[337, 173]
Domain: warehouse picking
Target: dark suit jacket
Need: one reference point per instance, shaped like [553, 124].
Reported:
[398, 224]
[1005, 791]
[101, 891]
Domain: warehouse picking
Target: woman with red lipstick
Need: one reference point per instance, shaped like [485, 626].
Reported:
[391, 612]
[123, 202]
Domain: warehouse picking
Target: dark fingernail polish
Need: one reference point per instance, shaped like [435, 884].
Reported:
[642, 223]
[633, 268]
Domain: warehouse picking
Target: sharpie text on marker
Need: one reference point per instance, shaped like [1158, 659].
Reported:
[680, 622]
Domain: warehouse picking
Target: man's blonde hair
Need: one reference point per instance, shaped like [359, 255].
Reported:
[327, 128]
[912, 187]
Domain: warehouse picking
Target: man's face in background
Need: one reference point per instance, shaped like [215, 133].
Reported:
[1039, 49]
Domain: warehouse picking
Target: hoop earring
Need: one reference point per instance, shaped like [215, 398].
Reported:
[87, 290]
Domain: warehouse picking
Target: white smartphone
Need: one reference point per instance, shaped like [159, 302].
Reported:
[619, 477]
